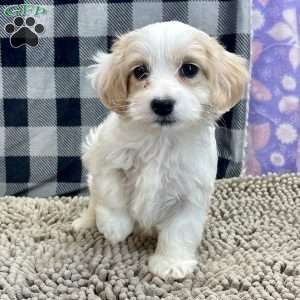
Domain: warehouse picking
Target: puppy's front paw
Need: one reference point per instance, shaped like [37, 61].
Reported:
[166, 267]
[116, 226]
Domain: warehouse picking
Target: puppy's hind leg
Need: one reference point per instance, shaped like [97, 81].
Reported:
[112, 215]
[88, 218]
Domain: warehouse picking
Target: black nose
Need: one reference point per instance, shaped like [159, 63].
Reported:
[162, 107]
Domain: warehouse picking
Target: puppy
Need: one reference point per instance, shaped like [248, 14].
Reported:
[153, 161]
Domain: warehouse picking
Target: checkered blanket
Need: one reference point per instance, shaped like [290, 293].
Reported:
[47, 105]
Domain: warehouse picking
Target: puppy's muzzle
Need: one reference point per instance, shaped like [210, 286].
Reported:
[162, 107]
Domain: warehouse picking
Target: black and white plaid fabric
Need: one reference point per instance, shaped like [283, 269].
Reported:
[47, 105]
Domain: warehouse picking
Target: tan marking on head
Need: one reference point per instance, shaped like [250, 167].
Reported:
[226, 72]
[114, 82]
[228, 76]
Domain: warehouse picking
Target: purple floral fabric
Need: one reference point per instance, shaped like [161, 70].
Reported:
[274, 112]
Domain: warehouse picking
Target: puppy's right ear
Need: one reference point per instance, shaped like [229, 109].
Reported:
[108, 80]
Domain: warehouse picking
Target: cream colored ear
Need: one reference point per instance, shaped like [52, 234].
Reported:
[108, 80]
[229, 80]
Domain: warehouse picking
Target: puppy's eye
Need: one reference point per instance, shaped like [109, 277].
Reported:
[141, 72]
[188, 70]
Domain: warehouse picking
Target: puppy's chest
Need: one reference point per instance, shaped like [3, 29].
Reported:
[156, 167]
[157, 181]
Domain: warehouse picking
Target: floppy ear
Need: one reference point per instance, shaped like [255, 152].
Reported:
[108, 79]
[229, 76]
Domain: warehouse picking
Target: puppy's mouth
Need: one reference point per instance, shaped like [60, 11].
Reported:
[166, 121]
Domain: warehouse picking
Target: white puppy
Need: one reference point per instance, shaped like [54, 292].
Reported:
[153, 161]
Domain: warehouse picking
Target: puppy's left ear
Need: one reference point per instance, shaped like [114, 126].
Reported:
[229, 78]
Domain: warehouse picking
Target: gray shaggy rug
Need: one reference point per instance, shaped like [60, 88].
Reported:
[251, 250]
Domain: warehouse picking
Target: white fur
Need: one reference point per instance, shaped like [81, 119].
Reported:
[150, 175]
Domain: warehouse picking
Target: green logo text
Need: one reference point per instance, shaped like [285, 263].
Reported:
[24, 10]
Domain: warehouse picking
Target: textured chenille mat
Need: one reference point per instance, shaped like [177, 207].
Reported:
[251, 250]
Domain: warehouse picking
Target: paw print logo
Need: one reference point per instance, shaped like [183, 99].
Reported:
[24, 32]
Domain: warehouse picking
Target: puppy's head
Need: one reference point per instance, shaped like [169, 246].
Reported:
[169, 73]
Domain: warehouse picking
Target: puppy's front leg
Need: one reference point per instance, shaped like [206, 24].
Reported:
[179, 237]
